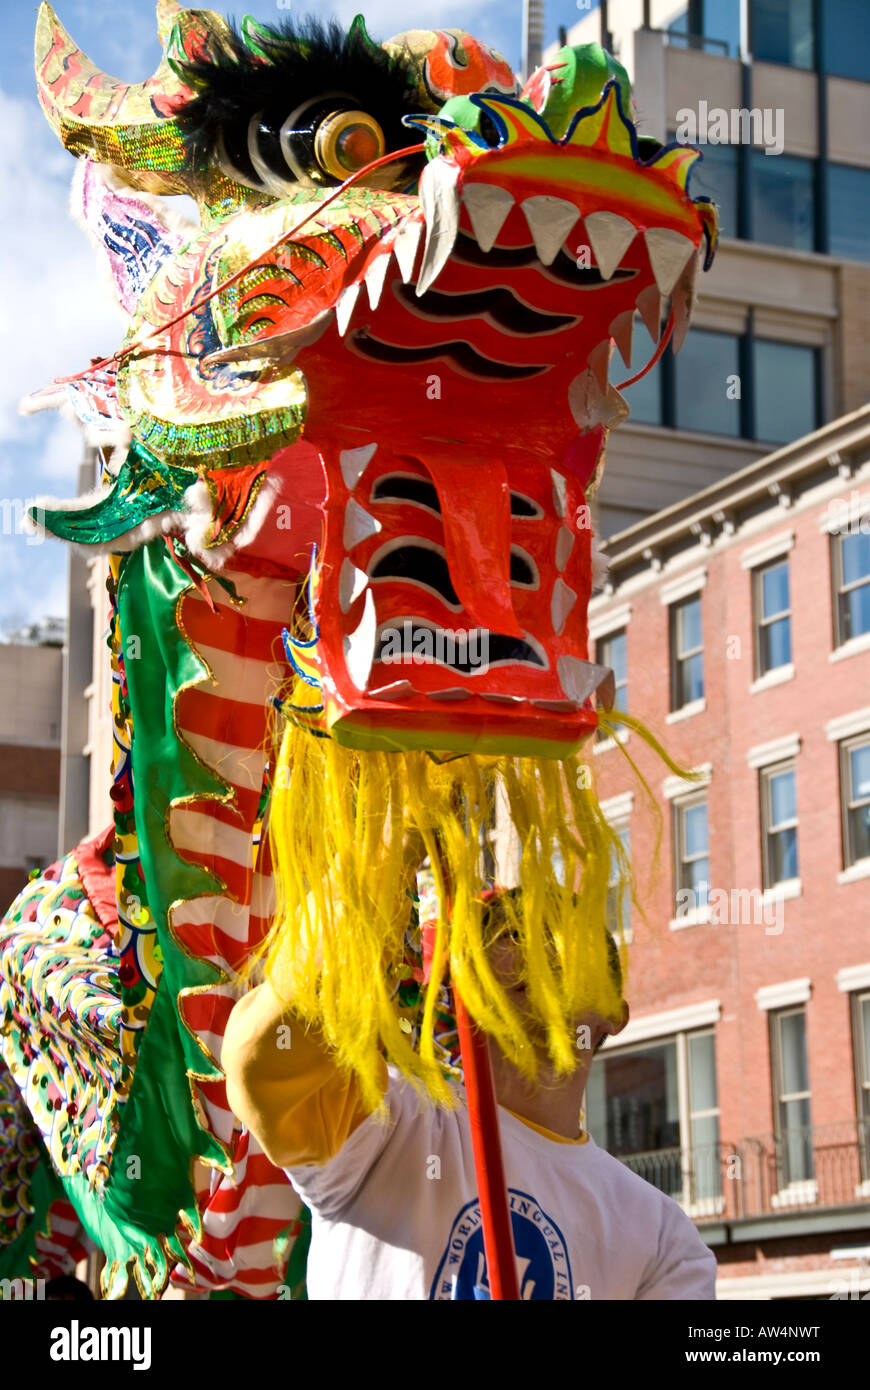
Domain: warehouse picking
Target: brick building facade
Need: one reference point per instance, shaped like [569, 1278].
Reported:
[30, 752]
[738, 624]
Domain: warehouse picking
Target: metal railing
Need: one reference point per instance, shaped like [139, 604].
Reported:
[800, 1170]
[697, 41]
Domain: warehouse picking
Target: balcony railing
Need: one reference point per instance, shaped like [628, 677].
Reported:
[700, 42]
[800, 1170]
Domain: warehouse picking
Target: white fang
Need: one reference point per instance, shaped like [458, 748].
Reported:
[351, 583]
[620, 331]
[488, 207]
[610, 237]
[405, 248]
[560, 492]
[561, 604]
[439, 199]
[344, 308]
[358, 524]
[668, 253]
[564, 546]
[354, 463]
[550, 220]
[580, 678]
[375, 277]
[359, 646]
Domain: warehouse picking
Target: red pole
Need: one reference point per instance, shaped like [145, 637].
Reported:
[498, 1242]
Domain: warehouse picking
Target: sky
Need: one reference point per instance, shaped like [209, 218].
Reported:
[56, 310]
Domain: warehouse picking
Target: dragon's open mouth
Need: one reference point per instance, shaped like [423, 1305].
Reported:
[504, 283]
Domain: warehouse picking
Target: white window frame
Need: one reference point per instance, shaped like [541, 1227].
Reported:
[765, 773]
[707, 1015]
[774, 674]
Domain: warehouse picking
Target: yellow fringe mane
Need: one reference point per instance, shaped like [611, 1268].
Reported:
[349, 832]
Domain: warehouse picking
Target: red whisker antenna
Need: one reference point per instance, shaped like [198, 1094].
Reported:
[99, 363]
[663, 342]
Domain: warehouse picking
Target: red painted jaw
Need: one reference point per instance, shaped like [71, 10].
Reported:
[405, 652]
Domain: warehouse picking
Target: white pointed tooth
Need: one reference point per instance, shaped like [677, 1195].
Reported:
[560, 492]
[359, 645]
[550, 220]
[610, 237]
[354, 463]
[649, 306]
[358, 525]
[397, 691]
[504, 699]
[620, 331]
[453, 692]
[344, 308]
[564, 546]
[668, 253]
[439, 199]
[683, 302]
[406, 246]
[488, 207]
[590, 406]
[580, 678]
[599, 361]
[562, 602]
[558, 706]
[375, 277]
[351, 583]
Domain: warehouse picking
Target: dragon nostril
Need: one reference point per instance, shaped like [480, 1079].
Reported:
[489, 131]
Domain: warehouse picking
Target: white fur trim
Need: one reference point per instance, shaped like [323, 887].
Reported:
[199, 516]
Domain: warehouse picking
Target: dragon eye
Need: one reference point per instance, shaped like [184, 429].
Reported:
[329, 138]
[347, 141]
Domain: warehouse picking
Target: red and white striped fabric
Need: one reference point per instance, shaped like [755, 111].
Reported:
[224, 720]
[61, 1247]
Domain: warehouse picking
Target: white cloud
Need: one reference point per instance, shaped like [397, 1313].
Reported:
[55, 313]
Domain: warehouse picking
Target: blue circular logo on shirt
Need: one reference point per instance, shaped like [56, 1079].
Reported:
[543, 1268]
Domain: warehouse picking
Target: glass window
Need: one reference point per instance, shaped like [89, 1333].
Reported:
[715, 176]
[785, 391]
[645, 397]
[772, 617]
[855, 782]
[721, 21]
[704, 1116]
[782, 32]
[692, 854]
[849, 209]
[782, 200]
[655, 1106]
[779, 824]
[678, 27]
[712, 25]
[861, 1020]
[619, 888]
[707, 375]
[792, 1099]
[634, 1109]
[687, 653]
[847, 38]
[851, 565]
[612, 651]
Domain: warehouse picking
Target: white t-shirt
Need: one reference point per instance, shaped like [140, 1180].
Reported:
[395, 1215]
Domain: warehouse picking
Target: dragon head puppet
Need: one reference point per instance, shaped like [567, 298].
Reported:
[381, 368]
